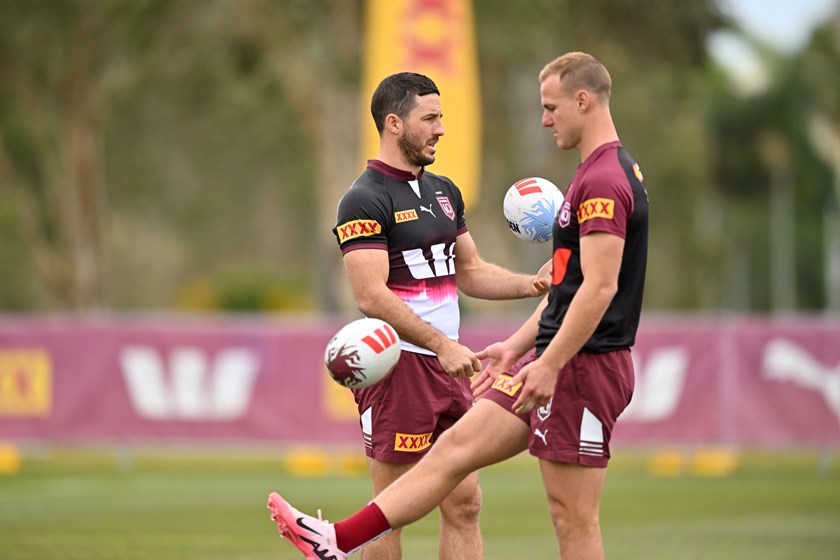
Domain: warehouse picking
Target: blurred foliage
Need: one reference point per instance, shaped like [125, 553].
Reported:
[766, 143]
[188, 154]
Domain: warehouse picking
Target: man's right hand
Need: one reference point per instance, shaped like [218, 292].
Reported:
[458, 360]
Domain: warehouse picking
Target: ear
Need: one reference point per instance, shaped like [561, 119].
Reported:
[583, 98]
[393, 123]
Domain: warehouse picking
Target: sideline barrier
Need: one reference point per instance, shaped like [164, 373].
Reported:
[738, 381]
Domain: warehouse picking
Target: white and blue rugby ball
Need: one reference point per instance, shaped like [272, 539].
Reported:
[530, 206]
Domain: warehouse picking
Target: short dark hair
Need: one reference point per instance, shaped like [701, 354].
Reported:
[397, 94]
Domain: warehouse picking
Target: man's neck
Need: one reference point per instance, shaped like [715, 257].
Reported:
[396, 161]
[593, 146]
[601, 132]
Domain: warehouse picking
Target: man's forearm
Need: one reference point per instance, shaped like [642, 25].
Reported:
[493, 282]
[387, 306]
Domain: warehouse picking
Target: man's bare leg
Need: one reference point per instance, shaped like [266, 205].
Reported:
[460, 532]
[574, 497]
[486, 435]
[382, 475]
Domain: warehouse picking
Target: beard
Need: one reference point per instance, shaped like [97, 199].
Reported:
[411, 148]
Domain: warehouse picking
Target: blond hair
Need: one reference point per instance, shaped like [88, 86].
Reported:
[579, 70]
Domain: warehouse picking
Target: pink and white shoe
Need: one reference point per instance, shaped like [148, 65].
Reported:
[314, 537]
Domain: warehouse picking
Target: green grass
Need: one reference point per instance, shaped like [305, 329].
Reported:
[79, 505]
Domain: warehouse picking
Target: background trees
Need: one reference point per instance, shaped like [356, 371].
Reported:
[188, 154]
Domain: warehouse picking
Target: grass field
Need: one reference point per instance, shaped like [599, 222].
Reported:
[78, 505]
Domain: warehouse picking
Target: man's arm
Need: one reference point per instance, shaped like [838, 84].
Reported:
[600, 259]
[367, 271]
[480, 279]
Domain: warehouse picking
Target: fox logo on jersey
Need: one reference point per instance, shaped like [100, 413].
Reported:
[638, 172]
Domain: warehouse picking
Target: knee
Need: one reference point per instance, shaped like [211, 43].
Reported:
[462, 506]
[572, 521]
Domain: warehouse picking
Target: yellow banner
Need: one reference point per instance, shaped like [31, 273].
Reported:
[435, 38]
[25, 382]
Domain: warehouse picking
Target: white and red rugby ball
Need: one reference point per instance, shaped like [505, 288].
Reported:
[362, 353]
[530, 206]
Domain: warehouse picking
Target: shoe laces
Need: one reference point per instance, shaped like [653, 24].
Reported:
[321, 518]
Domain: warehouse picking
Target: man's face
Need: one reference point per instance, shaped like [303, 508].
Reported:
[560, 112]
[422, 130]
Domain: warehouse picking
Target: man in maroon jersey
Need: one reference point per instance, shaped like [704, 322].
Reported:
[407, 252]
[560, 401]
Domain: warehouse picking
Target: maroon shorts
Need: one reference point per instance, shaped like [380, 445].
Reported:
[405, 412]
[576, 425]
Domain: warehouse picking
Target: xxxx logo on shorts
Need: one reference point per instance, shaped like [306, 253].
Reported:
[358, 228]
[596, 208]
[412, 442]
[503, 384]
[405, 215]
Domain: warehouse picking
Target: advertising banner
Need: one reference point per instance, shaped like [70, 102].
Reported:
[734, 381]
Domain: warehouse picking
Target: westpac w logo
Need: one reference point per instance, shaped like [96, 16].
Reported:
[659, 385]
[190, 388]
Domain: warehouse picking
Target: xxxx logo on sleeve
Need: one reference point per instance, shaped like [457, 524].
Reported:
[503, 384]
[405, 215]
[358, 228]
[596, 208]
[412, 442]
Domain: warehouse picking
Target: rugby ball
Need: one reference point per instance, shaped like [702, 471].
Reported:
[530, 206]
[362, 353]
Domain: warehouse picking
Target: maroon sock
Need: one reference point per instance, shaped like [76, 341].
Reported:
[361, 527]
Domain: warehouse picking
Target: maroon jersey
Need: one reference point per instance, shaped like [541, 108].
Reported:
[417, 220]
[607, 194]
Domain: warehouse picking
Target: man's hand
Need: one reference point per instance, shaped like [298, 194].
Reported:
[542, 281]
[458, 360]
[501, 359]
[538, 380]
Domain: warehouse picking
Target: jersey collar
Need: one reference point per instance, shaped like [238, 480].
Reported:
[393, 172]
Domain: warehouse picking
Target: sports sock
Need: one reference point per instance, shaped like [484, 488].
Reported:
[360, 528]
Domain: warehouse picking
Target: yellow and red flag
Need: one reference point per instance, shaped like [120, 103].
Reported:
[435, 38]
